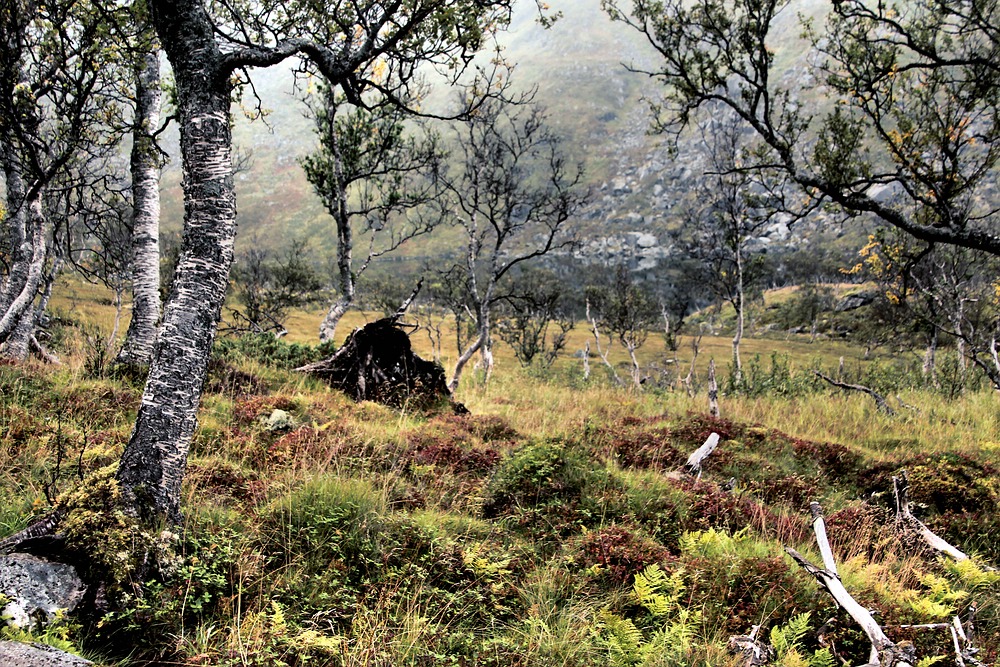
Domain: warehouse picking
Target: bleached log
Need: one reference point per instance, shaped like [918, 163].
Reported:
[693, 465]
[901, 486]
[819, 527]
[884, 650]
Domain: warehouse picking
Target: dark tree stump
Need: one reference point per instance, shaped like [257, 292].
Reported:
[377, 363]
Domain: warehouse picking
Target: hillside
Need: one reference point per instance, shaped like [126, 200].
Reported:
[578, 69]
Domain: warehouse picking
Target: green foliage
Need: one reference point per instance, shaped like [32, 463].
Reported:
[96, 526]
[553, 488]
[60, 632]
[787, 643]
[269, 350]
[671, 627]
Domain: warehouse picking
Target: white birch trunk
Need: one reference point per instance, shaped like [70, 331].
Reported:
[154, 461]
[740, 307]
[18, 316]
[345, 252]
[141, 335]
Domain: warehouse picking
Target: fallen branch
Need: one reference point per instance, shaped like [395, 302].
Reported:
[884, 651]
[880, 402]
[901, 486]
[819, 527]
[693, 465]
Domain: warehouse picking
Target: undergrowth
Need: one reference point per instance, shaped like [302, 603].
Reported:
[553, 527]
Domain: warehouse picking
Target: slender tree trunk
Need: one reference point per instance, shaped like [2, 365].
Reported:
[929, 368]
[740, 307]
[480, 343]
[713, 390]
[153, 464]
[636, 374]
[141, 335]
[18, 316]
[345, 248]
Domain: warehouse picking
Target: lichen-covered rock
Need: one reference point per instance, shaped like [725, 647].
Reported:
[279, 421]
[16, 654]
[35, 588]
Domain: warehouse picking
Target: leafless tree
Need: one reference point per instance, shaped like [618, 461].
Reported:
[513, 194]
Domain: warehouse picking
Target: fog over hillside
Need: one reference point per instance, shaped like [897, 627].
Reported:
[602, 109]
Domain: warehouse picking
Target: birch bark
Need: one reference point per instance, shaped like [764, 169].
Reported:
[145, 167]
[153, 464]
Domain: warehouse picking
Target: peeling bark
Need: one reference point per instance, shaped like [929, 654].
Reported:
[154, 461]
[145, 165]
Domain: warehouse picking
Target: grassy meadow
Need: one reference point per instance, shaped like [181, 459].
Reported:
[551, 526]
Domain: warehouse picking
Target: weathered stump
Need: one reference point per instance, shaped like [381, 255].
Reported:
[377, 363]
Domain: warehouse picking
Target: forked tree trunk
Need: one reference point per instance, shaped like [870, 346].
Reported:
[153, 464]
[141, 335]
[482, 339]
[17, 314]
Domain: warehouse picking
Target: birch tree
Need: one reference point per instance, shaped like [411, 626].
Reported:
[731, 207]
[512, 194]
[369, 171]
[914, 88]
[55, 110]
[346, 42]
[145, 164]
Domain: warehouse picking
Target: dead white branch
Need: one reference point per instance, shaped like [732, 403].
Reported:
[901, 485]
[884, 651]
[693, 465]
[819, 527]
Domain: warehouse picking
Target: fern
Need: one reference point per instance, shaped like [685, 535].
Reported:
[657, 592]
[972, 574]
[822, 658]
[622, 639]
[787, 637]
[941, 600]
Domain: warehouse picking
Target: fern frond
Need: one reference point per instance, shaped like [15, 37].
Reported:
[822, 658]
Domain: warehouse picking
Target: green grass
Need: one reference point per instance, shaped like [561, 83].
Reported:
[512, 536]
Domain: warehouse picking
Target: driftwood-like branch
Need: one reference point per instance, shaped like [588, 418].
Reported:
[754, 651]
[693, 465]
[884, 651]
[888, 653]
[713, 390]
[819, 527]
[880, 401]
[901, 485]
